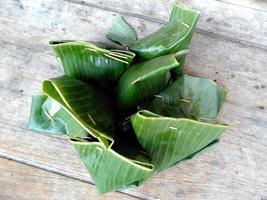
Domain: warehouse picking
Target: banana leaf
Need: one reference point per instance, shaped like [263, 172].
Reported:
[90, 106]
[190, 97]
[170, 38]
[142, 80]
[89, 62]
[171, 140]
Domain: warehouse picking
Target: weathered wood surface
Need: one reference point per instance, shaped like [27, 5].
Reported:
[234, 169]
[225, 20]
[17, 180]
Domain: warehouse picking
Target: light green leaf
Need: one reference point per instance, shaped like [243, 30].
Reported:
[120, 32]
[192, 97]
[89, 106]
[48, 116]
[143, 80]
[109, 169]
[89, 62]
[170, 140]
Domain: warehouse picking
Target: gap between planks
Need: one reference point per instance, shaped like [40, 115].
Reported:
[159, 21]
[65, 173]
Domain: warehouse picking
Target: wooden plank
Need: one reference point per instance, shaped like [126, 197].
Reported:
[242, 148]
[217, 17]
[20, 181]
[50, 20]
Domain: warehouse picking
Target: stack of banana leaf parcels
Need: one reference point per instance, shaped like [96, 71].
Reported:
[130, 112]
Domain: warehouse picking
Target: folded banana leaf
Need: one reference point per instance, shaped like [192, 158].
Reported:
[90, 106]
[109, 169]
[170, 38]
[171, 140]
[119, 145]
[145, 79]
[190, 97]
[89, 62]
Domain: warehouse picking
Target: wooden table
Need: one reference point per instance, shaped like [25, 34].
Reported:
[229, 46]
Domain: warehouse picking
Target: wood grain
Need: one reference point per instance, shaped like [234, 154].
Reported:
[234, 169]
[20, 181]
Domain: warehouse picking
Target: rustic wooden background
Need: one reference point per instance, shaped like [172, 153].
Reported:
[229, 46]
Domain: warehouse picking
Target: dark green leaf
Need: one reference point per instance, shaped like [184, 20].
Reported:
[145, 79]
[170, 140]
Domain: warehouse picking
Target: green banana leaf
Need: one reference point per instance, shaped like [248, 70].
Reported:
[120, 32]
[171, 140]
[48, 116]
[190, 97]
[90, 106]
[89, 62]
[145, 79]
[170, 38]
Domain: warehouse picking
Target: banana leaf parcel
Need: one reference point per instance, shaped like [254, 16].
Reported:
[130, 112]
